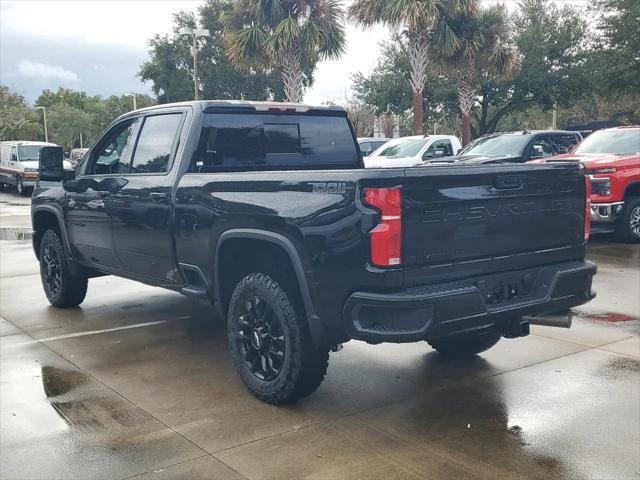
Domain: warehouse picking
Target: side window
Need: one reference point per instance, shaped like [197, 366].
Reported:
[111, 154]
[564, 143]
[155, 143]
[540, 148]
[13, 156]
[366, 148]
[264, 141]
[443, 144]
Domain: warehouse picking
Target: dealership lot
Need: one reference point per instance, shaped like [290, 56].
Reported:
[138, 382]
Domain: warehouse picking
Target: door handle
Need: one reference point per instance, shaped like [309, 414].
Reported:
[157, 196]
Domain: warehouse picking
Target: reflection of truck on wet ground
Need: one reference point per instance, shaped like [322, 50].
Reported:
[267, 211]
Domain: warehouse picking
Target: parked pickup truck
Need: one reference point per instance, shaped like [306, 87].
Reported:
[612, 159]
[266, 210]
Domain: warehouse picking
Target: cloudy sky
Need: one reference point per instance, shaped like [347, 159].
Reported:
[98, 46]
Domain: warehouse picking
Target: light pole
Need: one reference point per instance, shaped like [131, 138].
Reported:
[133, 95]
[44, 117]
[195, 32]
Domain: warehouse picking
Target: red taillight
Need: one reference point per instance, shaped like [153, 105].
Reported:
[386, 237]
[587, 208]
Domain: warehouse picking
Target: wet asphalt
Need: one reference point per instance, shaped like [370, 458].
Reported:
[138, 383]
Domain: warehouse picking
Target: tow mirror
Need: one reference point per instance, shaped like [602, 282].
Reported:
[438, 152]
[50, 165]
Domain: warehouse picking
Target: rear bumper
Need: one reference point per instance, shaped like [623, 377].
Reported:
[466, 305]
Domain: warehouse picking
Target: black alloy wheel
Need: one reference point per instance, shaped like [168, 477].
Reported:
[261, 339]
[52, 271]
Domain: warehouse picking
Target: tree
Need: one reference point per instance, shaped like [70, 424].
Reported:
[417, 18]
[17, 120]
[361, 117]
[170, 66]
[75, 118]
[388, 90]
[618, 44]
[288, 35]
[552, 44]
[483, 50]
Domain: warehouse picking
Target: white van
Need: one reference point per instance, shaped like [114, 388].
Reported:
[19, 164]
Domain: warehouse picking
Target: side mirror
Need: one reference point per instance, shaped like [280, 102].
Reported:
[439, 152]
[50, 165]
[537, 151]
[14, 157]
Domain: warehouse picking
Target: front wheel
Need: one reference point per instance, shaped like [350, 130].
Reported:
[22, 190]
[63, 290]
[628, 225]
[465, 345]
[270, 343]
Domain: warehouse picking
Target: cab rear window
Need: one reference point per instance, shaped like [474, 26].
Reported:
[263, 142]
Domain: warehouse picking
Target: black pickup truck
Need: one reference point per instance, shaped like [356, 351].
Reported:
[266, 211]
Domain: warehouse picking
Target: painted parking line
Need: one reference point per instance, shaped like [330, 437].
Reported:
[84, 334]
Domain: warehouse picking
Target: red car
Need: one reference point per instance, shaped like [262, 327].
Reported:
[612, 158]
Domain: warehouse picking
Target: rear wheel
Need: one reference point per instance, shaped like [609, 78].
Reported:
[628, 225]
[63, 290]
[465, 345]
[270, 343]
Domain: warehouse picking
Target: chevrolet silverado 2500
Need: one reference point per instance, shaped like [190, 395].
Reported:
[267, 211]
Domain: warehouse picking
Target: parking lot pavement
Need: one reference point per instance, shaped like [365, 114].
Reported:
[138, 382]
[15, 216]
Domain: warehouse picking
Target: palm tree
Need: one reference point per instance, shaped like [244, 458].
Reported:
[288, 35]
[417, 19]
[482, 51]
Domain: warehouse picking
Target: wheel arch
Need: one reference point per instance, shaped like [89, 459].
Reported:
[632, 189]
[43, 218]
[282, 244]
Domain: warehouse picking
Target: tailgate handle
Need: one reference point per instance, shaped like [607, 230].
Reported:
[508, 182]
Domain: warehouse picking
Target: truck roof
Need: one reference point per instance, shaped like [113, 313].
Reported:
[216, 106]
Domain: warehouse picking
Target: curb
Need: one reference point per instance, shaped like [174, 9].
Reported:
[16, 233]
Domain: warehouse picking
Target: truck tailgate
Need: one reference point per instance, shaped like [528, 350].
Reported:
[460, 220]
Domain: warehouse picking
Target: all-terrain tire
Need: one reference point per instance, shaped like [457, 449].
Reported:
[62, 288]
[304, 363]
[628, 225]
[465, 345]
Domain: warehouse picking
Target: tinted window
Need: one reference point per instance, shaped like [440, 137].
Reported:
[281, 138]
[253, 141]
[155, 143]
[562, 143]
[111, 154]
[541, 147]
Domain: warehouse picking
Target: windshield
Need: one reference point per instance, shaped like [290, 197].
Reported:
[29, 152]
[408, 147]
[497, 145]
[617, 142]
